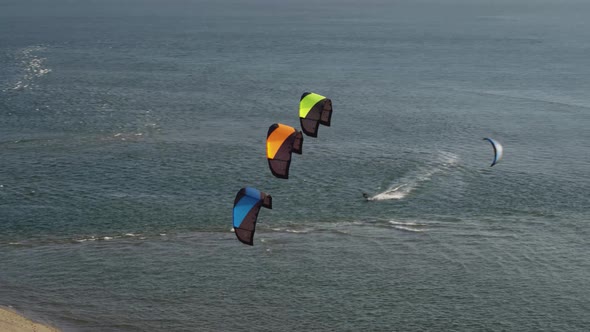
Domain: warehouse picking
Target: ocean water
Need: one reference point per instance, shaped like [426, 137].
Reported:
[127, 127]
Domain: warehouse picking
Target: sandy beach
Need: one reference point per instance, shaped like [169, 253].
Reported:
[10, 321]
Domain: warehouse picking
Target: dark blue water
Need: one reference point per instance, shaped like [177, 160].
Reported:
[127, 127]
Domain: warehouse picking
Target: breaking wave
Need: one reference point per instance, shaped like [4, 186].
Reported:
[409, 226]
[112, 237]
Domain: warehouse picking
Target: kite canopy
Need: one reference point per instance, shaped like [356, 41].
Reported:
[246, 206]
[313, 111]
[498, 150]
[281, 141]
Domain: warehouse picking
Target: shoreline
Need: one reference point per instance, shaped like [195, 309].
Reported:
[12, 321]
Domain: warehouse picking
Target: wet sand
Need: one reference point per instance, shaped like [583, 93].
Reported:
[11, 321]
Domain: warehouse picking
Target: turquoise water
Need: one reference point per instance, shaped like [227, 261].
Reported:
[126, 129]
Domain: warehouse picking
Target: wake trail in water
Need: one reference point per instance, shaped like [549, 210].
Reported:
[402, 187]
[397, 192]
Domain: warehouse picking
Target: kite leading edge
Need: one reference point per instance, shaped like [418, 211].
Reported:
[498, 150]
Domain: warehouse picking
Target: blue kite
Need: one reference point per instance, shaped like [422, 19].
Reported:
[246, 207]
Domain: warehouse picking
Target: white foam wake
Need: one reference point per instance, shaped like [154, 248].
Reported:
[405, 185]
[398, 192]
